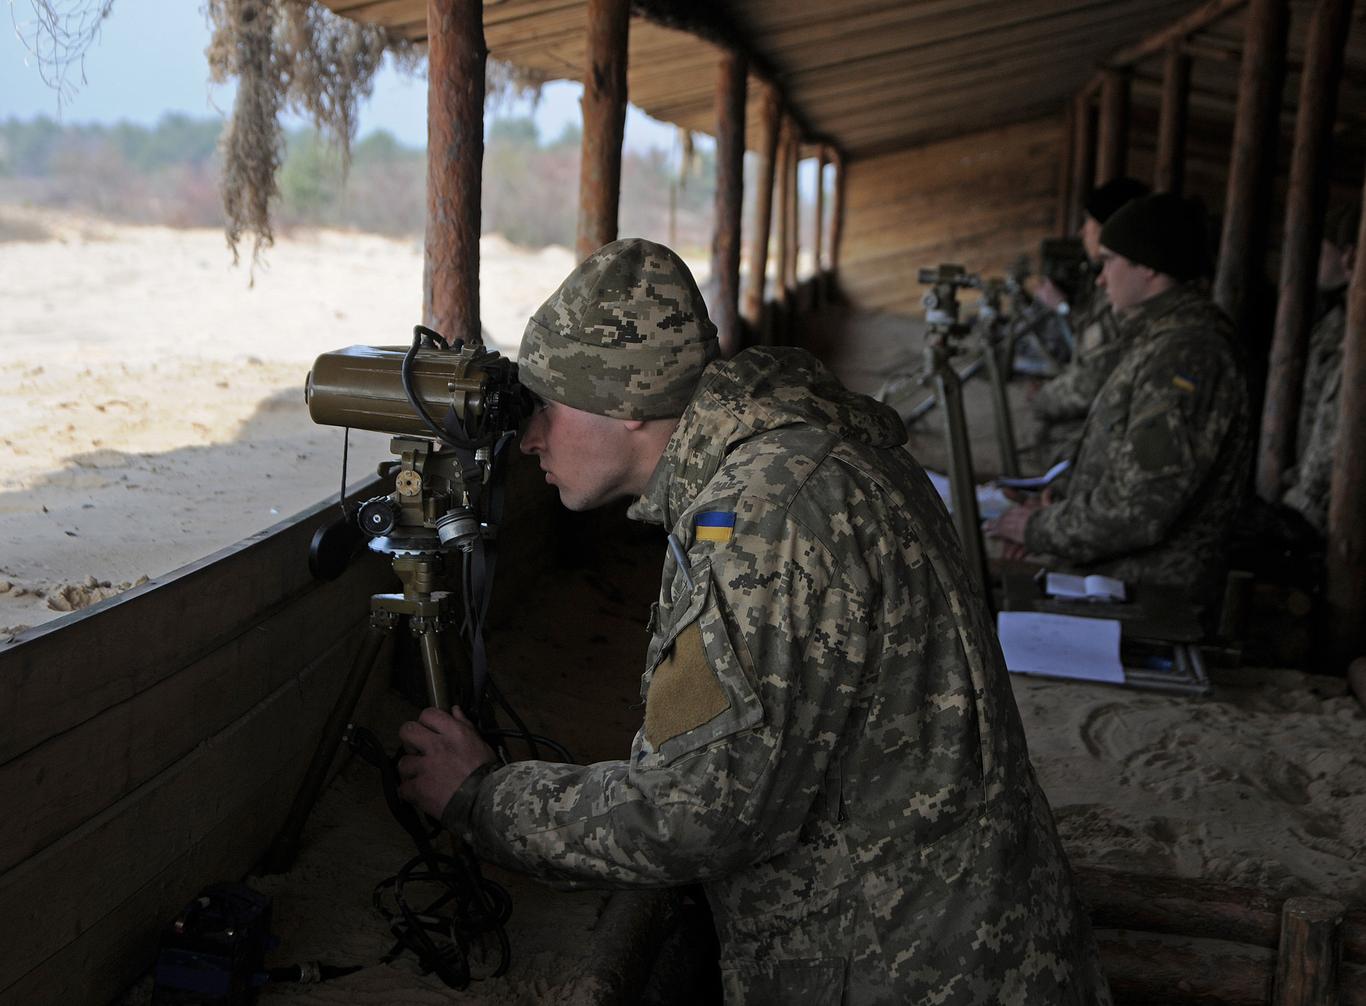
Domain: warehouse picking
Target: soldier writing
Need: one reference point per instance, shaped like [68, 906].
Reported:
[1164, 454]
[830, 743]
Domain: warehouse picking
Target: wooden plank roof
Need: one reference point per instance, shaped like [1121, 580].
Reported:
[871, 76]
[865, 75]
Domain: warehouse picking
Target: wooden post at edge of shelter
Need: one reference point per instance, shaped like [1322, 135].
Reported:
[783, 218]
[604, 124]
[794, 226]
[1083, 158]
[818, 239]
[1252, 161]
[455, 159]
[1169, 169]
[1306, 201]
[1344, 592]
[1062, 219]
[732, 70]
[770, 111]
[1309, 956]
[1112, 151]
[836, 226]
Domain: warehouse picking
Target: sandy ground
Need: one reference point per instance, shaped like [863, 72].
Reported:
[151, 405]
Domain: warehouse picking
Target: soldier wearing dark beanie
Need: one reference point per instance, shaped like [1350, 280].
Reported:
[1156, 480]
[1163, 232]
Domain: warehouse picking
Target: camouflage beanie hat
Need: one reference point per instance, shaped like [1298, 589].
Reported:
[626, 335]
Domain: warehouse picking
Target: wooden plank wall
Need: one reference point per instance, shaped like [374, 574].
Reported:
[153, 743]
[980, 200]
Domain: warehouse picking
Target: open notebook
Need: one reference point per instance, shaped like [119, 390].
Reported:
[1084, 588]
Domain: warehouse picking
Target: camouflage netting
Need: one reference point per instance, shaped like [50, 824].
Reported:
[286, 53]
[296, 54]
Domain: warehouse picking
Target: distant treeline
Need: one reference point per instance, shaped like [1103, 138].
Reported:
[169, 175]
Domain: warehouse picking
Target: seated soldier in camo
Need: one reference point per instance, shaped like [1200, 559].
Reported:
[1310, 480]
[1165, 450]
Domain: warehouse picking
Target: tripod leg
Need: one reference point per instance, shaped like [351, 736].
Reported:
[286, 844]
[433, 666]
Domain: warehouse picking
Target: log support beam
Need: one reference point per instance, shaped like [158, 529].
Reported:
[604, 124]
[1169, 171]
[1062, 220]
[837, 204]
[1306, 201]
[1309, 953]
[783, 237]
[730, 194]
[1345, 587]
[1083, 157]
[770, 113]
[1112, 153]
[818, 254]
[455, 160]
[1256, 127]
[794, 245]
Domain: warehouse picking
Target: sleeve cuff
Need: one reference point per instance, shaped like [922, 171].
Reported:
[459, 813]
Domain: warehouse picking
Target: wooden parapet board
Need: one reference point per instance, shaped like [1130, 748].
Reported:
[152, 743]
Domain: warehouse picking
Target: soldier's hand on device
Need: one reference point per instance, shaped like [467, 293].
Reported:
[443, 749]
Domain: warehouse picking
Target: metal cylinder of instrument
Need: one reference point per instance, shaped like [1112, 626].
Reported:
[361, 387]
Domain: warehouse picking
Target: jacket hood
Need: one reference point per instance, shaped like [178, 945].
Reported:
[758, 391]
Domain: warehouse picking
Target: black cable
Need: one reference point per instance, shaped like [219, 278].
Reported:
[310, 972]
[521, 730]
[440, 937]
[346, 449]
[554, 745]
[405, 374]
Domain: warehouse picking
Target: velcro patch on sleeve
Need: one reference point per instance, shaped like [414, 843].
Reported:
[684, 692]
[1159, 445]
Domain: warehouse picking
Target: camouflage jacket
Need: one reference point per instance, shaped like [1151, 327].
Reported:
[1164, 454]
[1323, 357]
[1314, 473]
[1061, 403]
[830, 741]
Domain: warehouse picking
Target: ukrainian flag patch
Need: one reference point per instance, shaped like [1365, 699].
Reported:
[714, 525]
[1184, 383]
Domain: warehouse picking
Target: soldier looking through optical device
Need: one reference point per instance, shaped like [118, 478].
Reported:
[1060, 405]
[830, 743]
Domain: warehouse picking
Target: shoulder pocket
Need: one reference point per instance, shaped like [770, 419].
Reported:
[696, 689]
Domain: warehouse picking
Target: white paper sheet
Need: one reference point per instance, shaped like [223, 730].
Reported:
[991, 502]
[1061, 646]
[1037, 481]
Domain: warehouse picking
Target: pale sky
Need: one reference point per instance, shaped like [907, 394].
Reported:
[148, 59]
